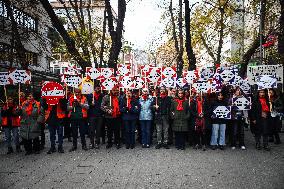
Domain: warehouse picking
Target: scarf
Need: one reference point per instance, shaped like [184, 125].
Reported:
[264, 106]
[29, 109]
[199, 106]
[180, 102]
[96, 96]
[115, 106]
[144, 97]
[163, 95]
[128, 101]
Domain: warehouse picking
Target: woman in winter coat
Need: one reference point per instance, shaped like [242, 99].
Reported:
[238, 121]
[130, 108]
[146, 117]
[218, 124]
[276, 110]
[180, 115]
[32, 114]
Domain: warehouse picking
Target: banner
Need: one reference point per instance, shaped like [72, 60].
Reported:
[72, 80]
[20, 76]
[190, 76]
[139, 83]
[266, 82]
[227, 76]
[207, 73]
[126, 82]
[241, 103]
[4, 78]
[52, 92]
[154, 75]
[123, 69]
[201, 86]
[244, 85]
[168, 82]
[109, 83]
[169, 72]
[71, 71]
[222, 112]
[254, 71]
[180, 82]
[107, 73]
[93, 73]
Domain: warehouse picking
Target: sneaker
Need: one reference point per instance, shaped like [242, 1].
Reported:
[222, 147]
[84, 148]
[196, 146]
[204, 148]
[147, 146]
[233, 147]
[117, 146]
[60, 150]
[166, 146]
[10, 150]
[51, 150]
[127, 146]
[243, 147]
[213, 147]
[158, 146]
[73, 149]
[97, 146]
[132, 146]
[143, 145]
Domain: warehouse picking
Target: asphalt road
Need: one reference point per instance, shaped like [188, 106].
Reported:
[145, 168]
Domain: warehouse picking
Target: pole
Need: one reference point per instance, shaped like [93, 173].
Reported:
[19, 94]
[260, 36]
[5, 91]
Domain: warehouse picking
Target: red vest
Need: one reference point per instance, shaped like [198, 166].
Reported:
[15, 120]
[82, 100]
[59, 112]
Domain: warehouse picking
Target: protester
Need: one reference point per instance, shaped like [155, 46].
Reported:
[162, 108]
[77, 108]
[31, 116]
[260, 116]
[238, 121]
[110, 106]
[180, 115]
[218, 124]
[146, 117]
[11, 122]
[130, 108]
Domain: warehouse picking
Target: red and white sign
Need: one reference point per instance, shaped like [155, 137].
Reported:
[126, 82]
[52, 92]
[107, 73]
[180, 82]
[71, 71]
[190, 76]
[145, 69]
[72, 80]
[154, 75]
[19, 76]
[109, 83]
[139, 83]
[169, 72]
[93, 73]
[123, 69]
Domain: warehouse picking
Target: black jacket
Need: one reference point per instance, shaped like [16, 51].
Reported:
[213, 105]
[164, 108]
[95, 110]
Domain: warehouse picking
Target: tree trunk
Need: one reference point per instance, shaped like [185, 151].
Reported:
[256, 43]
[189, 50]
[116, 35]
[70, 43]
[281, 34]
[174, 29]
[181, 48]
[103, 40]
[221, 36]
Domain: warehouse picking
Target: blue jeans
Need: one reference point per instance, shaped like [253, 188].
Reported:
[215, 131]
[129, 126]
[8, 136]
[53, 128]
[146, 131]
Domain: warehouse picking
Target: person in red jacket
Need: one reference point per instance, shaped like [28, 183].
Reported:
[11, 124]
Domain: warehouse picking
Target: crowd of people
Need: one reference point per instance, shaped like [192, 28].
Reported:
[131, 117]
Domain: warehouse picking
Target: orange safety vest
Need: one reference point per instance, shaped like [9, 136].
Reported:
[15, 120]
[59, 112]
[82, 100]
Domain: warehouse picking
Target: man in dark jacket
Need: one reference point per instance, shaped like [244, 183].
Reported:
[95, 115]
[162, 115]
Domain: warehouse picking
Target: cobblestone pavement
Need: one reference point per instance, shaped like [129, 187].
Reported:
[145, 168]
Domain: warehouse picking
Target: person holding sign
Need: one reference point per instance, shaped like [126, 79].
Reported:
[110, 106]
[95, 115]
[238, 121]
[31, 115]
[77, 108]
[54, 117]
[130, 108]
[11, 123]
[162, 116]
[180, 115]
[218, 124]
[260, 115]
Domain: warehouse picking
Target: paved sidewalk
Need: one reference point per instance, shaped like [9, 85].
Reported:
[145, 168]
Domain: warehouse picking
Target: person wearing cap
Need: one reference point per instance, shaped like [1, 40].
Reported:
[31, 116]
[11, 123]
[110, 106]
[77, 107]
[96, 118]
[146, 116]
[162, 108]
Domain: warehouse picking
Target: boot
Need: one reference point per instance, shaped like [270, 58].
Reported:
[10, 150]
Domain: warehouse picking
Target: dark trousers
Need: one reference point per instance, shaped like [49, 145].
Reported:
[32, 145]
[56, 127]
[199, 137]
[95, 129]
[67, 128]
[180, 139]
[275, 123]
[75, 125]
[146, 131]
[129, 126]
[42, 135]
[171, 133]
[113, 129]
[262, 130]
[238, 132]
